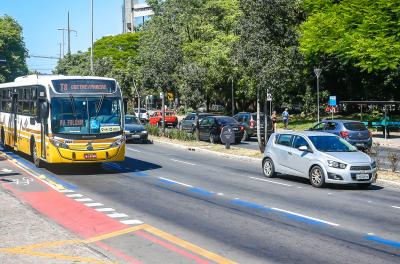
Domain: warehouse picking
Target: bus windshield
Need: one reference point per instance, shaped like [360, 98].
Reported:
[85, 115]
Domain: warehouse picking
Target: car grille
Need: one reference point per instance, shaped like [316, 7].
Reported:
[360, 168]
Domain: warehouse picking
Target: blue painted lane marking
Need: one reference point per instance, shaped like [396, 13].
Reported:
[383, 241]
[302, 219]
[201, 191]
[250, 205]
[140, 174]
[167, 181]
[30, 166]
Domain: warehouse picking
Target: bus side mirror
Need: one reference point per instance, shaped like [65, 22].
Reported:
[43, 111]
[125, 106]
[32, 121]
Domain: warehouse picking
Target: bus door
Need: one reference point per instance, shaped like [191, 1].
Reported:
[14, 118]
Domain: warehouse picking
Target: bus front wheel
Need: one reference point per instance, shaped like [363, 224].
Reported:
[35, 158]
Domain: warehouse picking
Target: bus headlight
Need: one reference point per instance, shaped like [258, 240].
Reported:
[117, 143]
[58, 144]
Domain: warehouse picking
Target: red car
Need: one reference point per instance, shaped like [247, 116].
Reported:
[170, 119]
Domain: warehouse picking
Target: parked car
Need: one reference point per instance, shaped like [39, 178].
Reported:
[170, 119]
[321, 157]
[190, 122]
[249, 122]
[356, 133]
[217, 108]
[134, 130]
[210, 128]
[143, 116]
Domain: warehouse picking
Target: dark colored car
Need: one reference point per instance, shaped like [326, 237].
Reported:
[249, 122]
[134, 130]
[190, 122]
[210, 128]
[356, 133]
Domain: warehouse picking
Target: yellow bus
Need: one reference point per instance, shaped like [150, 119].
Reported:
[63, 119]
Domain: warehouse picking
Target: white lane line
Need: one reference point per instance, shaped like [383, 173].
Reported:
[84, 200]
[180, 183]
[105, 210]
[220, 194]
[6, 170]
[131, 149]
[93, 204]
[131, 222]
[305, 216]
[184, 162]
[117, 215]
[75, 195]
[397, 207]
[66, 191]
[259, 179]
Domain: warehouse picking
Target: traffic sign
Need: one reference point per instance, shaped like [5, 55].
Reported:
[269, 97]
[332, 100]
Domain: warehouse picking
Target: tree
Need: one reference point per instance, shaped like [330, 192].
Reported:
[12, 49]
[268, 47]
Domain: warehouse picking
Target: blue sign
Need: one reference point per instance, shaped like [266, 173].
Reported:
[332, 100]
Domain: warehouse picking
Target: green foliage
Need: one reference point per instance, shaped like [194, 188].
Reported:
[170, 133]
[12, 49]
[374, 115]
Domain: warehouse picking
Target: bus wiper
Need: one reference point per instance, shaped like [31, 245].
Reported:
[73, 105]
[99, 106]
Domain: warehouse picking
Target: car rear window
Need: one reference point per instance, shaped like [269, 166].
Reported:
[226, 120]
[355, 126]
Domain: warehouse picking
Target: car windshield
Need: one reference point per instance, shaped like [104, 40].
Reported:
[85, 115]
[131, 120]
[226, 120]
[355, 126]
[331, 144]
[142, 111]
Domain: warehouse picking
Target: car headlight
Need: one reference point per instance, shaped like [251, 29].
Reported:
[144, 132]
[118, 142]
[373, 164]
[337, 165]
[126, 131]
[58, 144]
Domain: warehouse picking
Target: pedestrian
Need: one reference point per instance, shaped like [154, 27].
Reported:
[273, 120]
[285, 118]
[385, 127]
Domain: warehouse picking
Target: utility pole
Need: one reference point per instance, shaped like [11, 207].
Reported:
[91, 50]
[69, 37]
[68, 29]
[317, 72]
[233, 101]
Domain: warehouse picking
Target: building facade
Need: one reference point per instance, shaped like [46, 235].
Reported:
[134, 14]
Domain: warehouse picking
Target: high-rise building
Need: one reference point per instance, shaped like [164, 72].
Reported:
[134, 13]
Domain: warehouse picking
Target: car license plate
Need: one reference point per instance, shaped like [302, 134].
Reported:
[135, 136]
[360, 144]
[90, 156]
[362, 176]
[235, 129]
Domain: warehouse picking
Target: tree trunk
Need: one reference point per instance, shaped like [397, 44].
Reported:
[259, 139]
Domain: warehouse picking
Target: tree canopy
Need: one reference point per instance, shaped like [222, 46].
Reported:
[12, 49]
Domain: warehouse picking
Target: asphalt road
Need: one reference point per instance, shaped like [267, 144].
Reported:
[227, 207]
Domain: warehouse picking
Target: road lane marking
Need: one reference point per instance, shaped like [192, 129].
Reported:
[131, 149]
[75, 195]
[6, 170]
[176, 182]
[381, 240]
[397, 207]
[93, 204]
[184, 244]
[117, 215]
[184, 162]
[265, 180]
[105, 209]
[131, 222]
[66, 191]
[84, 200]
[305, 216]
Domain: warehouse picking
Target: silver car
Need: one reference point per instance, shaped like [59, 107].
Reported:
[321, 157]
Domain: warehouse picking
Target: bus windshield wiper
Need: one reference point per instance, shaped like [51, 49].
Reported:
[99, 106]
[72, 100]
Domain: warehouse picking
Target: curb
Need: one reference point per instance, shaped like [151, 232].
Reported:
[199, 149]
[388, 183]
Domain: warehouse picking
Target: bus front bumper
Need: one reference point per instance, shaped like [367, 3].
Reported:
[62, 155]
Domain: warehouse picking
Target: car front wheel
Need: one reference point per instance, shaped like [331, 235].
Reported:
[317, 177]
[268, 168]
[212, 138]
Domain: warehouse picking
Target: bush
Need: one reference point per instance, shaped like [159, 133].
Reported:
[373, 116]
[394, 159]
[170, 133]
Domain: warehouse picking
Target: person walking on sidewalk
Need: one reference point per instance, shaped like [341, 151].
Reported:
[273, 120]
[285, 118]
[385, 127]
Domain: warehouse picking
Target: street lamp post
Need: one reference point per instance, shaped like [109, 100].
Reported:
[317, 72]
[91, 50]
[233, 101]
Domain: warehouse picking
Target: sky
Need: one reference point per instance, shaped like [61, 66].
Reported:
[40, 20]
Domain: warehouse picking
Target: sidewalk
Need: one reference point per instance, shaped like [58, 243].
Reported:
[393, 141]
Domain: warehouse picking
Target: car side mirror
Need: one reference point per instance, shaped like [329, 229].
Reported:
[32, 121]
[304, 148]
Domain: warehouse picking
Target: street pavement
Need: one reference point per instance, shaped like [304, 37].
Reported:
[227, 211]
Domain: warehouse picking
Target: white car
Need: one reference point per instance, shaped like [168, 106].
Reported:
[321, 157]
[143, 116]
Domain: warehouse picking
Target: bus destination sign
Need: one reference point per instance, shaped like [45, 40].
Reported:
[84, 86]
